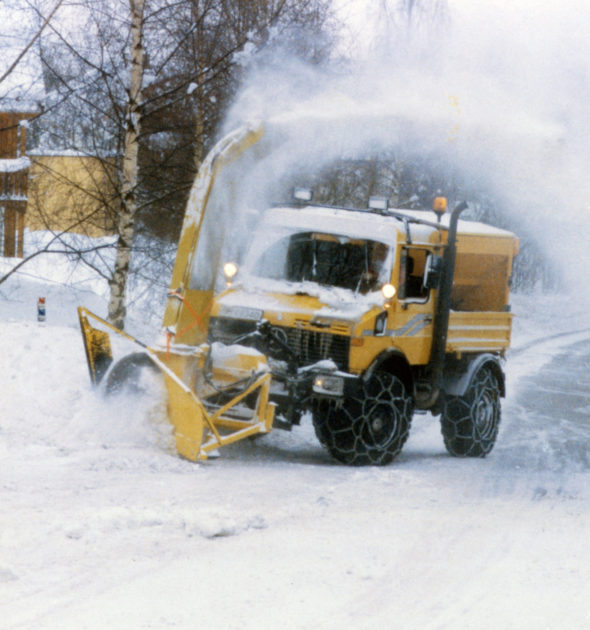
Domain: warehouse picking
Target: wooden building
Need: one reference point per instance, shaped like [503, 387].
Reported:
[63, 192]
[14, 168]
[70, 192]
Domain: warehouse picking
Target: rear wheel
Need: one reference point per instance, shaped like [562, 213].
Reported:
[369, 428]
[470, 423]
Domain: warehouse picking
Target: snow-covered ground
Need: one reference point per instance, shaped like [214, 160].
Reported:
[104, 526]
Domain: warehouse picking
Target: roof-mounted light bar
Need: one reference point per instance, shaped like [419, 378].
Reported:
[302, 194]
[379, 204]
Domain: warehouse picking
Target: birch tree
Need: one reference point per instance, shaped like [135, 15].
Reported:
[129, 174]
[146, 89]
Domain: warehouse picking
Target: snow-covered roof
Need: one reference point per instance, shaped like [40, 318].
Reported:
[356, 224]
[371, 225]
[473, 228]
[43, 152]
[15, 165]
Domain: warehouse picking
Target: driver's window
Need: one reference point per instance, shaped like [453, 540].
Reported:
[413, 265]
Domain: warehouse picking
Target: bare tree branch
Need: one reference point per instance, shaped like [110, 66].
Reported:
[32, 41]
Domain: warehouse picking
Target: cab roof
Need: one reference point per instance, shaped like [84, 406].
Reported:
[374, 225]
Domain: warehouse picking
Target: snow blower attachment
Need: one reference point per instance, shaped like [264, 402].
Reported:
[217, 394]
[214, 410]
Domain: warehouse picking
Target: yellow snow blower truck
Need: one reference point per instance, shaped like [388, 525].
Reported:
[358, 316]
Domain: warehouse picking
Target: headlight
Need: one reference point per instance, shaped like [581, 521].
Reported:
[230, 270]
[328, 384]
[388, 291]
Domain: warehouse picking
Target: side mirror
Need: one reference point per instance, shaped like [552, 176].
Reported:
[433, 271]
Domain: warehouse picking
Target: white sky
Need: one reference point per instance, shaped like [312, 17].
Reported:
[359, 14]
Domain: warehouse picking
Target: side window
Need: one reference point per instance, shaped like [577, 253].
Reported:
[411, 281]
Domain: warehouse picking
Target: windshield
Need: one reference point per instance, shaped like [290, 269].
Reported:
[359, 265]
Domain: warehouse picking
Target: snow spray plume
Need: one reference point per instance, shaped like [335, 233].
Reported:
[503, 100]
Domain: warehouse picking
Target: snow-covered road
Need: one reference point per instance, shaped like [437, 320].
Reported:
[103, 526]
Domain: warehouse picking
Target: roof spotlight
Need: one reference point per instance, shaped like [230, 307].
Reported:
[302, 194]
[380, 204]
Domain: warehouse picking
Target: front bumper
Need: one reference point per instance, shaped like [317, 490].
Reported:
[299, 392]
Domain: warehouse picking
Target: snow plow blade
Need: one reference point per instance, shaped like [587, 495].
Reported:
[199, 425]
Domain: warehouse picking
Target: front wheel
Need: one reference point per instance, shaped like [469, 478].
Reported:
[369, 428]
[470, 423]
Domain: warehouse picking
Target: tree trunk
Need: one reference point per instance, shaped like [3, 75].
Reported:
[126, 219]
[199, 114]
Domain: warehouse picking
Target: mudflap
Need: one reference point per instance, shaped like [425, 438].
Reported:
[97, 345]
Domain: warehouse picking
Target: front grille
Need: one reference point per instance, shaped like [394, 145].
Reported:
[312, 346]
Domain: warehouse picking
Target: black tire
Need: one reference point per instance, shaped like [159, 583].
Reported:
[369, 429]
[470, 423]
[127, 375]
